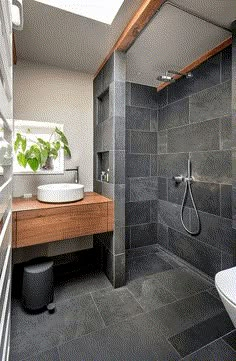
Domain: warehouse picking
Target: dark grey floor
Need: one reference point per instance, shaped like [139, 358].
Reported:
[166, 312]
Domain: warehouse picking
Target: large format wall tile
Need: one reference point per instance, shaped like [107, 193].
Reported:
[226, 201]
[137, 118]
[174, 115]
[169, 215]
[226, 64]
[212, 167]
[194, 137]
[143, 189]
[202, 256]
[137, 213]
[215, 231]
[211, 103]
[143, 142]
[137, 165]
[226, 133]
[206, 195]
[170, 165]
[205, 76]
[143, 96]
[143, 235]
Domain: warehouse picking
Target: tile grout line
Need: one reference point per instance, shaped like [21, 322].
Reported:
[98, 310]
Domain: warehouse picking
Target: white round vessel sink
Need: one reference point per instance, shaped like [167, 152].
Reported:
[60, 192]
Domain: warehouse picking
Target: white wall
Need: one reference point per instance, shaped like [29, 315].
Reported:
[50, 94]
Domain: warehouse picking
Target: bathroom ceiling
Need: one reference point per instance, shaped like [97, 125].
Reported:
[56, 37]
[174, 38]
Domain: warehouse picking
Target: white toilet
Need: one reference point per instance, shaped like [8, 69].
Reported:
[225, 282]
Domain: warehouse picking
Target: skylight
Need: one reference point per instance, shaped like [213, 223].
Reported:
[101, 10]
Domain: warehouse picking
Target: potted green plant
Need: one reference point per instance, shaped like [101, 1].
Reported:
[40, 153]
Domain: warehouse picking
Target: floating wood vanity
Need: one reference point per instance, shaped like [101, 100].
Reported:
[35, 222]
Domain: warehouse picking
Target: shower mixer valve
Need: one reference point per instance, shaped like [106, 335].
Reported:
[179, 179]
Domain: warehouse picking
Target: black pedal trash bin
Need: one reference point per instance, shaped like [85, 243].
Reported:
[38, 288]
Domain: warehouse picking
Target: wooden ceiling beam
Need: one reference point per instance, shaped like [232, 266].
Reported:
[199, 61]
[134, 27]
[14, 49]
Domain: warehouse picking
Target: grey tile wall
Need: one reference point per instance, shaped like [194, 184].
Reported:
[195, 121]
[233, 119]
[109, 139]
[141, 165]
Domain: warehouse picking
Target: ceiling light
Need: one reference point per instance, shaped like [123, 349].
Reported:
[100, 10]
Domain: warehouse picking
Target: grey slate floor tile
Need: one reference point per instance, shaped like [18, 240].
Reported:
[231, 339]
[182, 283]
[52, 355]
[116, 305]
[95, 322]
[149, 293]
[73, 318]
[183, 314]
[216, 351]
[202, 334]
[80, 284]
[147, 265]
[136, 339]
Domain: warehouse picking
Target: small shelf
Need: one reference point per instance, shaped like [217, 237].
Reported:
[103, 163]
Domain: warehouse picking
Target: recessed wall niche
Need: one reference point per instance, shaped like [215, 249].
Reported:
[103, 165]
[103, 106]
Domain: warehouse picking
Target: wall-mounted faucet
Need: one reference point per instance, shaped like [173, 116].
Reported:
[76, 179]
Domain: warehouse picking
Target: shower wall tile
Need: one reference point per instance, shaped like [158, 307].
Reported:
[137, 213]
[206, 195]
[137, 118]
[170, 165]
[109, 135]
[162, 188]
[226, 133]
[162, 235]
[215, 167]
[211, 103]
[127, 141]
[143, 235]
[119, 128]
[205, 76]
[143, 142]
[174, 115]
[226, 64]
[137, 165]
[200, 255]
[206, 137]
[153, 120]
[154, 211]
[227, 261]
[128, 93]
[119, 169]
[154, 160]
[195, 137]
[143, 189]
[169, 215]
[162, 98]
[143, 96]
[215, 231]
[162, 142]
[226, 201]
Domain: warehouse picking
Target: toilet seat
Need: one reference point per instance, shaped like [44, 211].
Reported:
[225, 282]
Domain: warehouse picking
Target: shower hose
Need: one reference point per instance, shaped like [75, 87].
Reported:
[189, 188]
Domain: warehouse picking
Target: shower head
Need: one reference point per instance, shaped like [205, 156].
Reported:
[166, 78]
[187, 75]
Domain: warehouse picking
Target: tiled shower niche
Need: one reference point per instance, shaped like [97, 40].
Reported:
[103, 106]
[103, 161]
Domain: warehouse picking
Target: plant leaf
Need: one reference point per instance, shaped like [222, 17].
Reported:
[21, 159]
[67, 151]
[33, 163]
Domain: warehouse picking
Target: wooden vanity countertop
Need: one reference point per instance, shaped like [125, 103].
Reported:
[26, 204]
